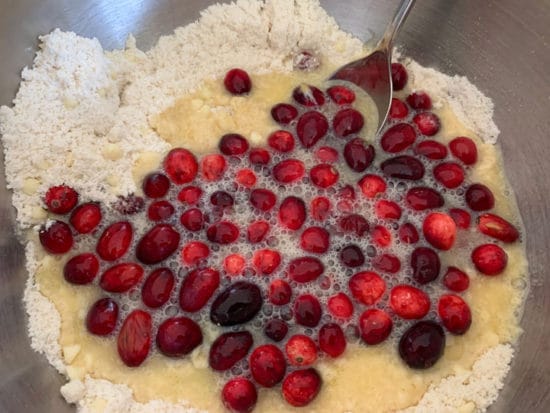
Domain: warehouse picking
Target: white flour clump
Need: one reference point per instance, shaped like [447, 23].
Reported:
[85, 115]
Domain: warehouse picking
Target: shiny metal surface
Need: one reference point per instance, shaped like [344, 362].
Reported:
[502, 45]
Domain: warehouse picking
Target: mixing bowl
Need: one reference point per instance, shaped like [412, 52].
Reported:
[501, 45]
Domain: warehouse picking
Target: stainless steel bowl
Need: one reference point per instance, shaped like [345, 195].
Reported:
[501, 45]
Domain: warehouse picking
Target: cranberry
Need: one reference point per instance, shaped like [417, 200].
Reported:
[358, 154]
[56, 238]
[428, 123]
[301, 386]
[221, 200]
[332, 340]
[403, 167]
[246, 178]
[292, 213]
[315, 239]
[307, 310]
[352, 256]
[398, 138]
[267, 365]
[311, 127]
[341, 95]
[237, 82]
[156, 185]
[301, 350]
[398, 109]
[425, 265]
[456, 280]
[228, 349]
[281, 140]
[464, 149]
[288, 171]
[276, 329]
[381, 236]
[399, 76]
[422, 198]
[81, 269]
[157, 288]
[190, 195]
[340, 306]
[86, 217]
[223, 232]
[181, 166]
[284, 113]
[61, 199]
[233, 144]
[266, 261]
[157, 244]
[354, 223]
[387, 209]
[326, 154]
[115, 241]
[197, 288]
[257, 231]
[194, 253]
[375, 326]
[479, 197]
[367, 287]
[372, 185]
[320, 208]
[234, 264]
[497, 227]
[213, 167]
[419, 101]
[102, 317]
[258, 156]
[307, 95]
[450, 174]
[178, 336]
[422, 345]
[239, 395]
[192, 219]
[262, 199]
[431, 150]
[279, 292]
[386, 263]
[454, 313]
[160, 211]
[134, 338]
[305, 269]
[461, 218]
[408, 233]
[489, 259]
[121, 277]
[347, 122]
[409, 302]
[237, 304]
[324, 175]
[439, 230]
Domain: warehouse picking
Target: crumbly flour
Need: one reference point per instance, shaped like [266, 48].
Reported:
[82, 114]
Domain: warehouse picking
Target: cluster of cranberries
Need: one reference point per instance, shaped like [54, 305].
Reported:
[293, 249]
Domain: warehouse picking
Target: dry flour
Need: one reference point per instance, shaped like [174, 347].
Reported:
[84, 112]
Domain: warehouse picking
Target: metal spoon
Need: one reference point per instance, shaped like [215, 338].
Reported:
[373, 73]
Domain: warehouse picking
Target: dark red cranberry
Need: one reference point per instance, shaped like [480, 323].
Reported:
[239, 395]
[157, 244]
[237, 82]
[258, 156]
[307, 310]
[56, 237]
[461, 217]
[157, 288]
[305, 269]
[431, 149]
[121, 277]
[61, 199]
[237, 304]
[197, 288]
[387, 209]
[115, 241]
[450, 174]
[352, 256]
[281, 140]
[422, 345]
[464, 149]
[156, 185]
[233, 144]
[192, 219]
[81, 269]
[315, 239]
[178, 336]
[134, 338]
[324, 175]
[279, 292]
[398, 138]
[267, 365]
[419, 100]
[160, 211]
[86, 217]
[288, 171]
[425, 265]
[456, 280]
[354, 223]
[422, 198]
[284, 113]
[262, 199]
[375, 326]
[307, 95]
[403, 167]
[228, 349]
[347, 122]
[341, 95]
[223, 232]
[479, 197]
[399, 76]
[301, 386]
[102, 317]
[398, 109]
[292, 213]
[276, 329]
[332, 340]
[386, 263]
[221, 199]
[358, 154]
[311, 127]
[257, 231]
[408, 233]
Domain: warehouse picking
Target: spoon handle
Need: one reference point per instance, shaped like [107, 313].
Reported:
[386, 42]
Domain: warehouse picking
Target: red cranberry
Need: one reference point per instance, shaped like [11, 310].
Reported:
[234, 264]
[305, 269]
[61, 199]
[115, 241]
[464, 149]
[347, 122]
[102, 317]
[228, 349]
[86, 217]
[267, 365]
[367, 287]
[456, 280]
[431, 150]
[341, 95]
[257, 231]
[178, 336]
[439, 230]
[324, 175]
[190, 195]
[197, 288]
[181, 166]
[375, 326]
[428, 123]
[320, 208]
[398, 109]
[223, 232]
[156, 185]
[134, 338]
[315, 239]
[157, 244]
[258, 156]
[381, 236]
[408, 233]
[276, 329]
[192, 219]
[399, 76]
[279, 292]
[372, 185]
[409, 302]
[262, 199]
[454, 313]
[358, 155]
[351, 256]
[403, 167]
[281, 140]
[288, 171]
[489, 259]
[307, 95]
[461, 218]
[284, 113]
[301, 350]
[266, 261]
[387, 209]
[422, 345]
[157, 288]
[450, 174]
[233, 144]
[311, 127]
[386, 263]
[398, 138]
[354, 223]
[81, 269]
[246, 178]
[301, 386]
[307, 310]
[56, 237]
[121, 277]
[425, 265]
[326, 154]
[419, 101]
[160, 211]
[422, 198]
[340, 306]
[292, 213]
[497, 227]
[213, 167]
[194, 253]
[237, 82]
[239, 395]
[479, 197]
